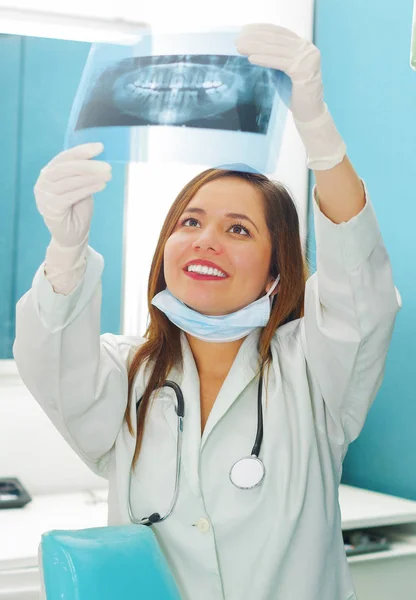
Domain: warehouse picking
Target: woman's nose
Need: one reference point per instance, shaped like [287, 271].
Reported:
[207, 238]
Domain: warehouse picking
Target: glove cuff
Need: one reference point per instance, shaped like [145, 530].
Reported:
[324, 146]
[65, 266]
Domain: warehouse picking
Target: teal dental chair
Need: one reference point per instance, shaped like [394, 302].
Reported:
[105, 563]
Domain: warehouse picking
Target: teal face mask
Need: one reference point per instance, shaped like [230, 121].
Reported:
[223, 328]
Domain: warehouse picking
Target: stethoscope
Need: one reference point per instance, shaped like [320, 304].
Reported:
[246, 474]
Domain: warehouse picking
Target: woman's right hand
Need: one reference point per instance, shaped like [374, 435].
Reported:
[64, 192]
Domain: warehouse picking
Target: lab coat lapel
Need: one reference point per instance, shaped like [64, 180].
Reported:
[243, 370]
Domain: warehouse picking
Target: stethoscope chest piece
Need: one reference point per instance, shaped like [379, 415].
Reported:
[247, 473]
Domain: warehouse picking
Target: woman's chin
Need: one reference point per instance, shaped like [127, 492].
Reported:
[206, 309]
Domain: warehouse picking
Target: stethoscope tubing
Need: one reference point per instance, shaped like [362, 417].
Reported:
[259, 435]
[180, 411]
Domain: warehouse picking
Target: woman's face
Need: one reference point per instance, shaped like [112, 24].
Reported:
[242, 252]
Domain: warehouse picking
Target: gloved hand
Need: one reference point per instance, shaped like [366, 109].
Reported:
[63, 194]
[279, 48]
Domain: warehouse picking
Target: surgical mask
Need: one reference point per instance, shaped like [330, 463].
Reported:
[223, 328]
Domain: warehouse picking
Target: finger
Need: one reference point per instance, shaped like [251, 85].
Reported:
[268, 28]
[269, 40]
[272, 62]
[64, 203]
[77, 167]
[273, 50]
[83, 151]
[70, 184]
[73, 198]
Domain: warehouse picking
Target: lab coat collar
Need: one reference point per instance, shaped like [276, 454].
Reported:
[243, 370]
[239, 376]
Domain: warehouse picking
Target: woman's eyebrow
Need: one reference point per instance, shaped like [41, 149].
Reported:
[230, 215]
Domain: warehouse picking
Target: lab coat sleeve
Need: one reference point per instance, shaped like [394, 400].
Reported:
[350, 309]
[78, 377]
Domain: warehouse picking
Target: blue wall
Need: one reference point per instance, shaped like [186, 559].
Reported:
[10, 47]
[39, 80]
[371, 92]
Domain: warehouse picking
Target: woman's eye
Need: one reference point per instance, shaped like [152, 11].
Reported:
[188, 219]
[246, 231]
[238, 225]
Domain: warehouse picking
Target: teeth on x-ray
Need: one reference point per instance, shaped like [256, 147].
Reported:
[178, 92]
[208, 91]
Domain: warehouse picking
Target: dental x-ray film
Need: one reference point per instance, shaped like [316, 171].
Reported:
[188, 97]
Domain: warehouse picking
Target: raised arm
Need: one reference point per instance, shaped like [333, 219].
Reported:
[339, 189]
[351, 301]
[340, 192]
[77, 376]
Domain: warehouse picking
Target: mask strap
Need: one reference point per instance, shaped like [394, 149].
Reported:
[274, 285]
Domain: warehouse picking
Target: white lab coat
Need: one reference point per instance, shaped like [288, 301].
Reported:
[283, 539]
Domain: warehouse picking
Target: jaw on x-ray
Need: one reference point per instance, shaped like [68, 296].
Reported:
[180, 98]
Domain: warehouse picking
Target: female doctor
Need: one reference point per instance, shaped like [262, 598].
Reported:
[264, 366]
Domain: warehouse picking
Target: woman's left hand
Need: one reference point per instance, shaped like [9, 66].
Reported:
[279, 48]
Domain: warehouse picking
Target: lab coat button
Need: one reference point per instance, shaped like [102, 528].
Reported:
[203, 525]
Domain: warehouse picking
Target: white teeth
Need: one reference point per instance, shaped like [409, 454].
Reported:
[205, 270]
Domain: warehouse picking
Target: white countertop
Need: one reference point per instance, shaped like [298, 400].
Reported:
[21, 528]
[365, 508]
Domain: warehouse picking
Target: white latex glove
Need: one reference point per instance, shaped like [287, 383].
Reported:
[63, 194]
[279, 48]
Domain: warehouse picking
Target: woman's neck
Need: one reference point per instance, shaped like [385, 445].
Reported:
[211, 358]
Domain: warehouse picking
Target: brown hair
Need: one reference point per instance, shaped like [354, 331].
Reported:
[162, 347]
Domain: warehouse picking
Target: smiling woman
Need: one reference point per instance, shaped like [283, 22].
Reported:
[254, 260]
[233, 248]
[320, 347]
